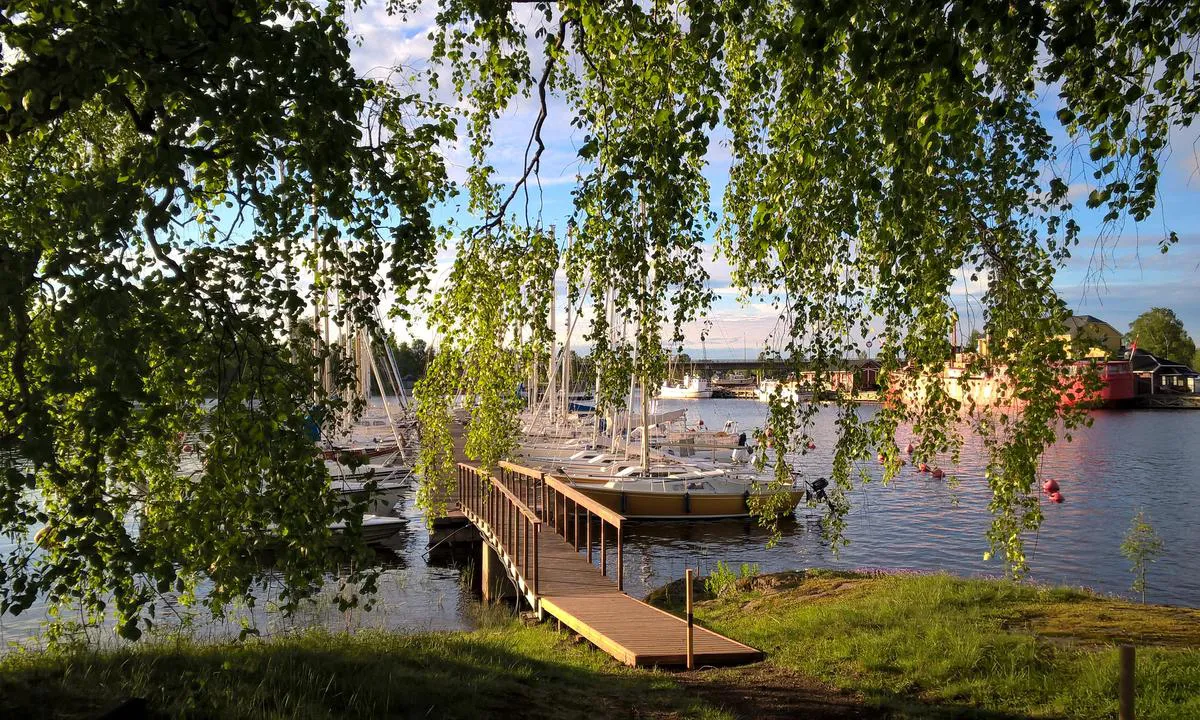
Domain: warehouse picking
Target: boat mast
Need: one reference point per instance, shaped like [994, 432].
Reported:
[566, 366]
[550, 370]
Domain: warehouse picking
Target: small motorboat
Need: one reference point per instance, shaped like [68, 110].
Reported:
[375, 528]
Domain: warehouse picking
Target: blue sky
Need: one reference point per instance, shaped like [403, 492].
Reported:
[1115, 282]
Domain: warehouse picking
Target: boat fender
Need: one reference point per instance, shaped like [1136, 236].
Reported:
[746, 500]
[1056, 497]
[687, 503]
[622, 503]
[1050, 486]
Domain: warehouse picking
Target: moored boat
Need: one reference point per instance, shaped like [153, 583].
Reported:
[690, 388]
[679, 499]
[375, 528]
[1118, 385]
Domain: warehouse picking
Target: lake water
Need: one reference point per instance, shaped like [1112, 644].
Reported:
[1127, 460]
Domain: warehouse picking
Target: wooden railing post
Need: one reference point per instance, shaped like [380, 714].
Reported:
[691, 658]
[575, 526]
[588, 518]
[603, 551]
[1126, 683]
[620, 558]
[537, 531]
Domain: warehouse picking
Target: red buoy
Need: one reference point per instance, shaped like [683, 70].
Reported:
[812, 445]
[1056, 497]
[187, 448]
[939, 473]
[880, 457]
[1050, 486]
[909, 449]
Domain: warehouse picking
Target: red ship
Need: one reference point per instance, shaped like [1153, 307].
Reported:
[1118, 384]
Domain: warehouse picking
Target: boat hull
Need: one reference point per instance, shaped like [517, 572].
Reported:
[1118, 387]
[650, 505]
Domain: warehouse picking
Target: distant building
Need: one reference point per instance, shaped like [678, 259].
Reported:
[1090, 337]
[1160, 375]
[856, 375]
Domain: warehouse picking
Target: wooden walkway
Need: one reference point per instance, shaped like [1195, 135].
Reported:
[558, 546]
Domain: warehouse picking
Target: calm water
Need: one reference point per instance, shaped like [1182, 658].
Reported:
[1126, 461]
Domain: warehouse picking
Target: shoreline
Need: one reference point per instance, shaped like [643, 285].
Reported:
[838, 644]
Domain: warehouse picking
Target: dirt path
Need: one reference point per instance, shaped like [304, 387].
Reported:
[769, 692]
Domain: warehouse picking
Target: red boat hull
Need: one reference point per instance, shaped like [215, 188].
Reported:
[1118, 386]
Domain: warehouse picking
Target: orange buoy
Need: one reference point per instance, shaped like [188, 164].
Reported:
[939, 473]
[923, 467]
[880, 457]
[1056, 497]
[1050, 486]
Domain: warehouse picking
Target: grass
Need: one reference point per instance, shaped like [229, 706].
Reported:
[507, 671]
[1007, 648]
[906, 646]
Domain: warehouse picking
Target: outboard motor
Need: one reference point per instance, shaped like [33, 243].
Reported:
[742, 440]
[818, 488]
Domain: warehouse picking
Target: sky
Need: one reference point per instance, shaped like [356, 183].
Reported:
[1115, 281]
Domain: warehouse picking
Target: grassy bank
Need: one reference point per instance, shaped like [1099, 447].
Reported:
[929, 645]
[510, 671]
[839, 645]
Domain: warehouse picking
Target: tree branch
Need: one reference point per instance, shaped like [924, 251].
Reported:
[533, 163]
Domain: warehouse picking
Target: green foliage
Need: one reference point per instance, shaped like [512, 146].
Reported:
[175, 178]
[722, 580]
[1141, 546]
[411, 359]
[1159, 331]
[880, 150]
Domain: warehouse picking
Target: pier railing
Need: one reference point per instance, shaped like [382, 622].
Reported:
[565, 509]
[516, 527]
[516, 502]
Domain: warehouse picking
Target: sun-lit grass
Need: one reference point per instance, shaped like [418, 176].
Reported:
[507, 671]
[991, 644]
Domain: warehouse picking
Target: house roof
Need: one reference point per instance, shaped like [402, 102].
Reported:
[1145, 361]
[1075, 323]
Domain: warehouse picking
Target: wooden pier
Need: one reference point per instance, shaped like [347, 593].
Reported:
[565, 554]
